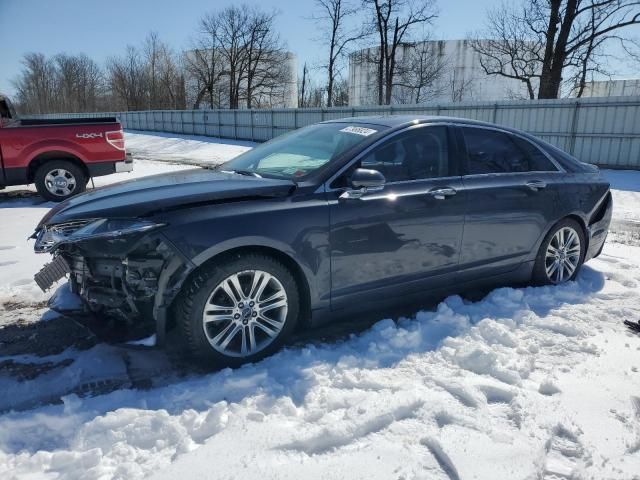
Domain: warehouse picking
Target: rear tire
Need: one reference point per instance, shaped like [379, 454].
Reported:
[561, 254]
[57, 180]
[222, 326]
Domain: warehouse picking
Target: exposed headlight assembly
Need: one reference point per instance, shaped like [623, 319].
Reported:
[50, 236]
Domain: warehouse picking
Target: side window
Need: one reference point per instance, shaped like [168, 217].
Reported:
[420, 153]
[538, 161]
[490, 151]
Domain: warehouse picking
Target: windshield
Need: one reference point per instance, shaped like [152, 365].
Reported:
[302, 151]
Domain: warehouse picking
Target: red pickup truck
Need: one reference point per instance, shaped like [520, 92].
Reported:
[59, 155]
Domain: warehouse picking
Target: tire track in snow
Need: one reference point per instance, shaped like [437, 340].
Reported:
[441, 457]
[338, 436]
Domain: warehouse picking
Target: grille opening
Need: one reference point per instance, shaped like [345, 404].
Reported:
[67, 228]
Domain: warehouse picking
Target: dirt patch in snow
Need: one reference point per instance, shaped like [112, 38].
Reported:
[44, 338]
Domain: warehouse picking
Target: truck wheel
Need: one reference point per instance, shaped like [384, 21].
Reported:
[239, 310]
[58, 180]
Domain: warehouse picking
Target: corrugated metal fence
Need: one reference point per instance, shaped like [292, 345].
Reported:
[604, 131]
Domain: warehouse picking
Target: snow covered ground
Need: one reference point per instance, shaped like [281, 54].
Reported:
[184, 148]
[526, 383]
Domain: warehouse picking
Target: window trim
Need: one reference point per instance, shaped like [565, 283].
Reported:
[453, 158]
[460, 126]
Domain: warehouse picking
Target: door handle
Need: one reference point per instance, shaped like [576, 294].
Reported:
[442, 193]
[536, 185]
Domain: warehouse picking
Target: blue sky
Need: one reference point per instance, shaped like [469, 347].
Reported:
[101, 28]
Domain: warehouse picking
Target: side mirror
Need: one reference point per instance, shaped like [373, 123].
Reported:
[362, 181]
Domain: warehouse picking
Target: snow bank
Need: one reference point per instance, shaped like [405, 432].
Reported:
[519, 385]
[171, 147]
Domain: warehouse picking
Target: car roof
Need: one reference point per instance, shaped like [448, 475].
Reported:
[402, 120]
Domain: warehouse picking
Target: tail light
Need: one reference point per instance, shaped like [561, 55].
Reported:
[116, 139]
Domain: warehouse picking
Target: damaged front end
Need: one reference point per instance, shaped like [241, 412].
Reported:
[123, 268]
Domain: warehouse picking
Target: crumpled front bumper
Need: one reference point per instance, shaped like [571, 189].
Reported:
[131, 280]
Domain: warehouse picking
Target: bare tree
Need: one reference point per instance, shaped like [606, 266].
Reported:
[170, 89]
[510, 50]
[204, 62]
[152, 50]
[266, 60]
[79, 84]
[232, 25]
[341, 92]
[240, 48]
[393, 22]
[302, 87]
[128, 80]
[36, 84]
[588, 60]
[334, 16]
[460, 88]
[418, 72]
[64, 83]
[562, 39]
[572, 29]
[310, 95]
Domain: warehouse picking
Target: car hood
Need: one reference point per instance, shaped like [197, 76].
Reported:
[148, 195]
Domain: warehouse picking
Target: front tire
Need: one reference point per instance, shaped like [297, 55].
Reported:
[58, 180]
[561, 254]
[239, 310]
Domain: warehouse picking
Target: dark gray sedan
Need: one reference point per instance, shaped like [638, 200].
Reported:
[338, 217]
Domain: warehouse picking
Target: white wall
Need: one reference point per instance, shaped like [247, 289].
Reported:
[612, 88]
[462, 72]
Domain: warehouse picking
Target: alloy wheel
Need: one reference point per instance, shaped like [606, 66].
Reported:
[245, 313]
[60, 182]
[563, 255]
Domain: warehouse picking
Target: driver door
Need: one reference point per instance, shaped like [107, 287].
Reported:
[407, 237]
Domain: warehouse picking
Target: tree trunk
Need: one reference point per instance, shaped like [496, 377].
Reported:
[330, 85]
[550, 40]
[553, 64]
[381, 77]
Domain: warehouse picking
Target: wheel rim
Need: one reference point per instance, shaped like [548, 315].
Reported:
[245, 313]
[563, 255]
[60, 182]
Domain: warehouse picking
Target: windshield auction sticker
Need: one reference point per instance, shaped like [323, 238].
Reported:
[365, 132]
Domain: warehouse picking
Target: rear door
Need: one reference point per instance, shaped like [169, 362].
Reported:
[512, 196]
[407, 237]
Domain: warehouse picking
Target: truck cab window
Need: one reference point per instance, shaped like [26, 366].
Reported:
[5, 113]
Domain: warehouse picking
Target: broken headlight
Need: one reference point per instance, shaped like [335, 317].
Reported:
[50, 236]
